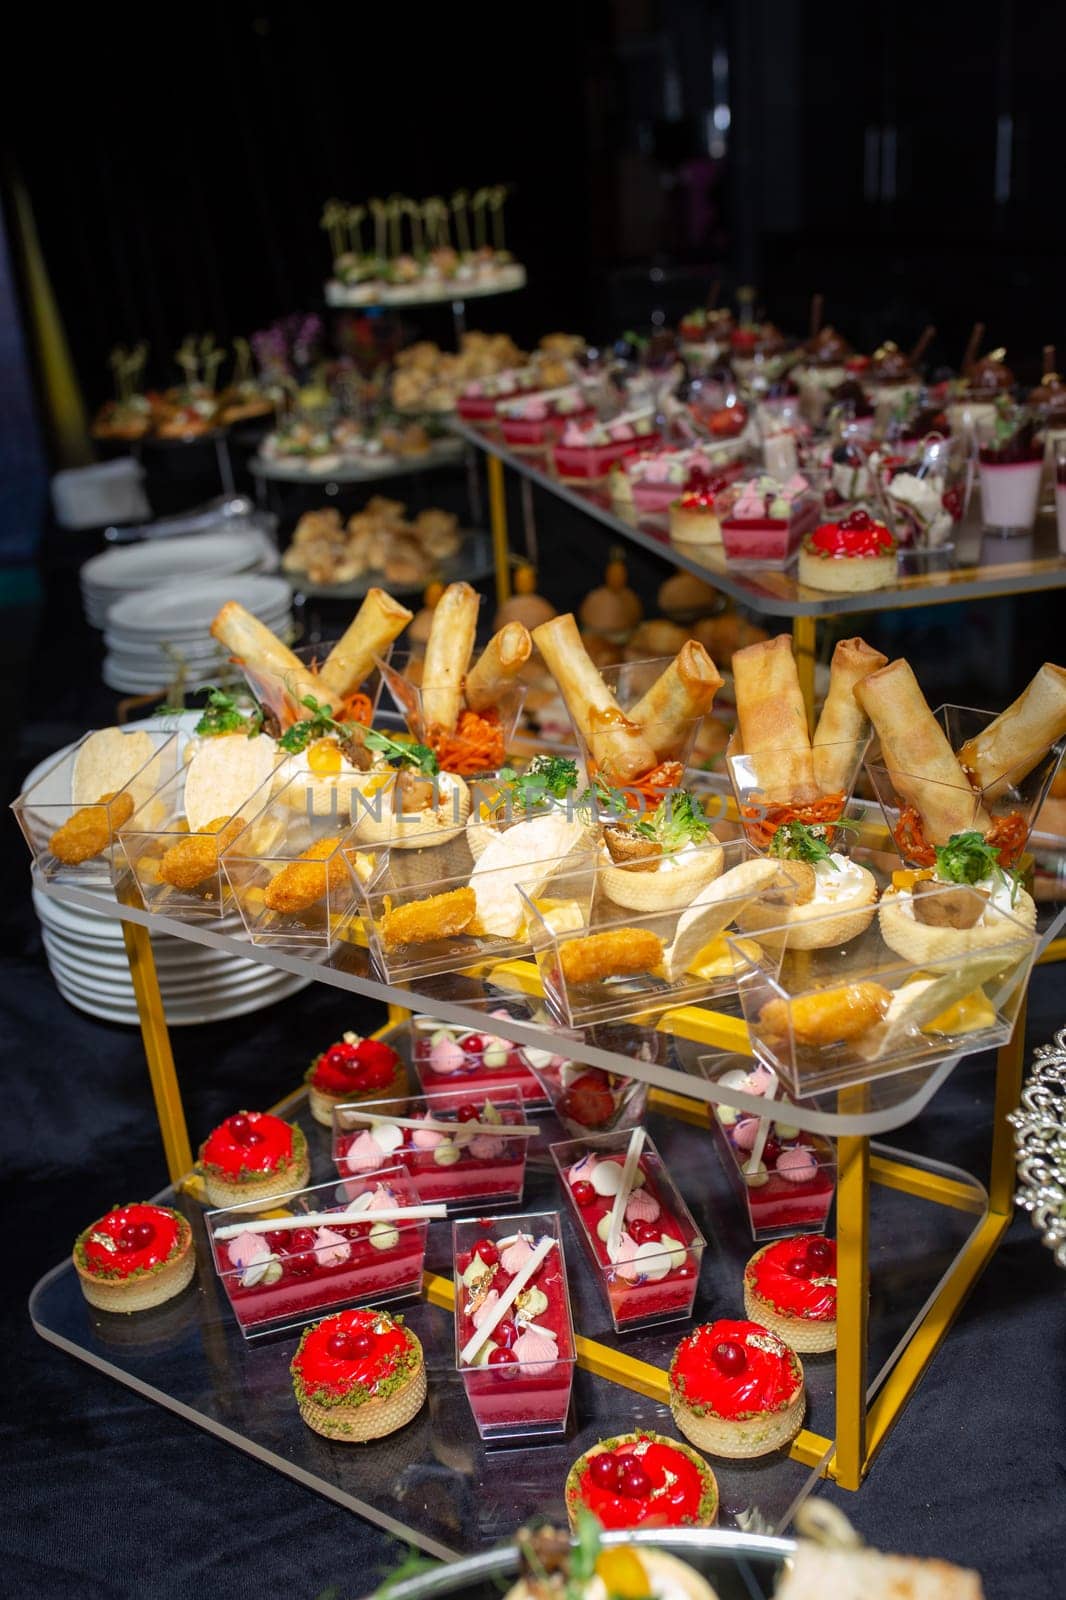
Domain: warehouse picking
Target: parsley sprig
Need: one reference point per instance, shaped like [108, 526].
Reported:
[677, 820]
[419, 756]
[222, 714]
[968, 858]
[321, 724]
[546, 778]
[799, 841]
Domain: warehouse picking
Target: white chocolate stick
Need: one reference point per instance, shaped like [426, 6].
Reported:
[762, 1132]
[505, 1302]
[502, 1130]
[325, 1219]
[625, 1189]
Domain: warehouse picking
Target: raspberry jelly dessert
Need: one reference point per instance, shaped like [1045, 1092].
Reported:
[353, 1069]
[285, 1275]
[736, 1390]
[792, 1187]
[358, 1375]
[653, 1273]
[588, 1099]
[535, 421]
[586, 452]
[763, 520]
[450, 1057]
[1011, 468]
[642, 1480]
[518, 1380]
[251, 1156]
[134, 1257]
[790, 1286]
[456, 1151]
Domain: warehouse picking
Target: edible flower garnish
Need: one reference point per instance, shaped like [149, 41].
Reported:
[419, 756]
[968, 858]
[222, 714]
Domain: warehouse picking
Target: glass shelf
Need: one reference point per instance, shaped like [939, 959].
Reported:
[434, 1482]
[340, 297]
[463, 998]
[983, 566]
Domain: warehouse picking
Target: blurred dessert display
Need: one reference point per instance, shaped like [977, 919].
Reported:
[378, 540]
[429, 379]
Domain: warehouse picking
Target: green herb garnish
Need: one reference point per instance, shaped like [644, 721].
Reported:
[396, 754]
[546, 777]
[677, 820]
[223, 715]
[797, 841]
[968, 858]
[319, 725]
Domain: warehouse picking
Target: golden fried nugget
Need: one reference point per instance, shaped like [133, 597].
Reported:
[308, 879]
[87, 832]
[441, 916]
[622, 953]
[832, 1016]
[187, 864]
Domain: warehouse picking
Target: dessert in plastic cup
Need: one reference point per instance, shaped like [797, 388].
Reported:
[651, 482]
[653, 1273]
[447, 1056]
[134, 1257]
[763, 521]
[358, 1375]
[286, 1275]
[535, 421]
[251, 1156]
[736, 1390]
[589, 1099]
[850, 556]
[518, 1378]
[350, 1070]
[463, 1155]
[586, 452]
[790, 1287]
[643, 1480]
[793, 1185]
[1011, 465]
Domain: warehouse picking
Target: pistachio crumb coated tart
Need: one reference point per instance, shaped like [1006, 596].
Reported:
[135, 1257]
[351, 1070]
[358, 1375]
[790, 1287]
[643, 1480]
[736, 1390]
[251, 1156]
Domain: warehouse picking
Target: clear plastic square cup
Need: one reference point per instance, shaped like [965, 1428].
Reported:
[618, 751]
[484, 751]
[921, 813]
[797, 784]
[283, 695]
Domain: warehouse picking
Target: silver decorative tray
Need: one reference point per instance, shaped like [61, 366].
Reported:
[1040, 1136]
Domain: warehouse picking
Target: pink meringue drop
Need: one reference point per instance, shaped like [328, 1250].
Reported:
[364, 1154]
[486, 1308]
[247, 1249]
[582, 1169]
[643, 1206]
[537, 1348]
[447, 1057]
[757, 1081]
[427, 1138]
[486, 1147]
[514, 1258]
[797, 1165]
[625, 1261]
[383, 1199]
[745, 1133]
[331, 1248]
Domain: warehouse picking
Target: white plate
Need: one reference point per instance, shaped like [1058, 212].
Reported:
[191, 607]
[198, 644]
[183, 1016]
[93, 955]
[181, 990]
[141, 566]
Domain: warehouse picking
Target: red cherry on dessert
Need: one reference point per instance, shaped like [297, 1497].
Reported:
[473, 1043]
[301, 1266]
[128, 1238]
[820, 1253]
[462, 1261]
[729, 1357]
[583, 1192]
[687, 1269]
[634, 1481]
[770, 1152]
[302, 1239]
[467, 1112]
[337, 1345]
[800, 1267]
[487, 1251]
[359, 1345]
[604, 1470]
[506, 1332]
[144, 1233]
[501, 1357]
[645, 1232]
[951, 500]
[239, 1127]
[279, 1239]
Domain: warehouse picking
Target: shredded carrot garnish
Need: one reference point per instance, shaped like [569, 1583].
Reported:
[649, 787]
[1008, 835]
[763, 821]
[475, 745]
[911, 842]
[355, 708]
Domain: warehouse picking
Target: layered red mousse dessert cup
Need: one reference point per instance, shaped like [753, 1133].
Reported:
[586, 452]
[790, 1287]
[737, 1390]
[251, 1156]
[358, 1375]
[763, 520]
[348, 1245]
[353, 1069]
[514, 1336]
[458, 1151]
[653, 1273]
[134, 1257]
[642, 1480]
[588, 1099]
[466, 1061]
[534, 421]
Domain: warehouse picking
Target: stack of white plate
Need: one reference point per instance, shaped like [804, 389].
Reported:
[156, 634]
[107, 577]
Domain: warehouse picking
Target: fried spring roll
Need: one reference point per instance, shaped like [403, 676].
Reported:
[499, 664]
[448, 651]
[679, 697]
[843, 724]
[263, 654]
[772, 719]
[915, 750]
[379, 620]
[618, 746]
[1020, 737]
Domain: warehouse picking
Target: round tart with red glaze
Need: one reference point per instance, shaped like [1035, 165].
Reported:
[849, 556]
[135, 1257]
[358, 1375]
[790, 1286]
[353, 1069]
[643, 1480]
[693, 518]
[736, 1390]
[251, 1156]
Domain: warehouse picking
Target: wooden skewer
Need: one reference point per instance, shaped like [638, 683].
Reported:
[762, 1133]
